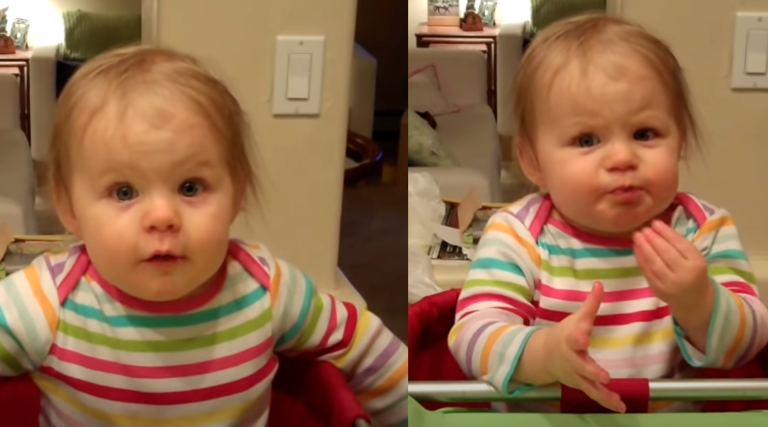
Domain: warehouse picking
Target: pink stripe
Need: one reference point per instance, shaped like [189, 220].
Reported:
[74, 275]
[635, 362]
[252, 266]
[738, 287]
[170, 398]
[501, 301]
[618, 319]
[526, 321]
[161, 372]
[623, 295]
[542, 214]
[584, 237]
[693, 208]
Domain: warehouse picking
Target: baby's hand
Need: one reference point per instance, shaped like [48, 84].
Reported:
[676, 271]
[567, 358]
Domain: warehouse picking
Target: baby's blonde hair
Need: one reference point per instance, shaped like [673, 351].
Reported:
[580, 40]
[124, 77]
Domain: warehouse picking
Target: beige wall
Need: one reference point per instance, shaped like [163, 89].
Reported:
[300, 159]
[732, 173]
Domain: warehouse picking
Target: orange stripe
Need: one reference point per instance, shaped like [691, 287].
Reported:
[504, 228]
[36, 286]
[489, 345]
[274, 287]
[385, 386]
[713, 225]
[738, 339]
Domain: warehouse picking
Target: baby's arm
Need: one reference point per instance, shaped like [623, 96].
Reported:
[29, 311]
[315, 325]
[738, 326]
[492, 340]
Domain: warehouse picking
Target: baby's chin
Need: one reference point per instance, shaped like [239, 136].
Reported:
[161, 292]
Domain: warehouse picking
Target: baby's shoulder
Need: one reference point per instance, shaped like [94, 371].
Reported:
[698, 212]
[523, 215]
[256, 260]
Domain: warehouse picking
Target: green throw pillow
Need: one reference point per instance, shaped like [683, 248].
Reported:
[424, 144]
[87, 34]
[545, 12]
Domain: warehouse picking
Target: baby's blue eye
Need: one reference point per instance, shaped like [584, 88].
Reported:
[586, 141]
[124, 193]
[644, 135]
[190, 189]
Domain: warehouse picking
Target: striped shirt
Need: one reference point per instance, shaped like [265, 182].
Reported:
[531, 270]
[103, 358]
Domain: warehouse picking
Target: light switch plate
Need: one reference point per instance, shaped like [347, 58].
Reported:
[287, 45]
[746, 21]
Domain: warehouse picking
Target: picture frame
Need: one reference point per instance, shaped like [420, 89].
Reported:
[19, 32]
[443, 13]
[487, 11]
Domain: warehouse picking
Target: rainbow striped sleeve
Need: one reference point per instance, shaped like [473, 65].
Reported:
[494, 311]
[29, 311]
[738, 329]
[318, 325]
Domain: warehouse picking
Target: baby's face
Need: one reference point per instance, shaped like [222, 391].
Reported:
[608, 147]
[153, 202]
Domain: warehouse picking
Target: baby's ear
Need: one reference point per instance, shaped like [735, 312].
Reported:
[63, 205]
[526, 158]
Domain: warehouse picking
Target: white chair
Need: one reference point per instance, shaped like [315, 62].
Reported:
[17, 172]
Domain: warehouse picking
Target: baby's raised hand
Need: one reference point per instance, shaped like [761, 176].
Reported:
[568, 361]
[675, 270]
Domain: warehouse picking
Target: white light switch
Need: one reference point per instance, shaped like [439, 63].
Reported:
[298, 75]
[757, 52]
[299, 67]
[749, 69]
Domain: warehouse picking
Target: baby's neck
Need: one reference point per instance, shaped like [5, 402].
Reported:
[665, 217]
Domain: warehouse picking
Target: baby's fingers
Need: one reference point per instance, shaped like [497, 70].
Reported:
[602, 395]
[586, 367]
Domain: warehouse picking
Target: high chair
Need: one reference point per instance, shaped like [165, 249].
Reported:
[438, 383]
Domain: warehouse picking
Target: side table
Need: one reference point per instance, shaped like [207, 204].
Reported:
[456, 38]
[18, 65]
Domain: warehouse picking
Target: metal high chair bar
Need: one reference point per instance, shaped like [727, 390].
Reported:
[668, 389]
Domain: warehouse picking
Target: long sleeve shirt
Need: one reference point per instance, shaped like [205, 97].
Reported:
[531, 270]
[103, 358]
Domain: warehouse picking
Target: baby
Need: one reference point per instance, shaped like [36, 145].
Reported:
[610, 272]
[158, 317]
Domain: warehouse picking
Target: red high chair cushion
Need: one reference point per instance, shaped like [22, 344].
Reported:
[757, 368]
[429, 359]
[312, 394]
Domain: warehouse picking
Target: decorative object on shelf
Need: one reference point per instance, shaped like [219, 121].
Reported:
[3, 20]
[488, 12]
[443, 13]
[6, 45]
[471, 20]
[19, 32]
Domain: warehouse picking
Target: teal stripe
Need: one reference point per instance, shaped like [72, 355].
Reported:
[734, 254]
[496, 264]
[27, 322]
[585, 253]
[306, 304]
[9, 357]
[505, 341]
[288, 276]
[171, 321]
